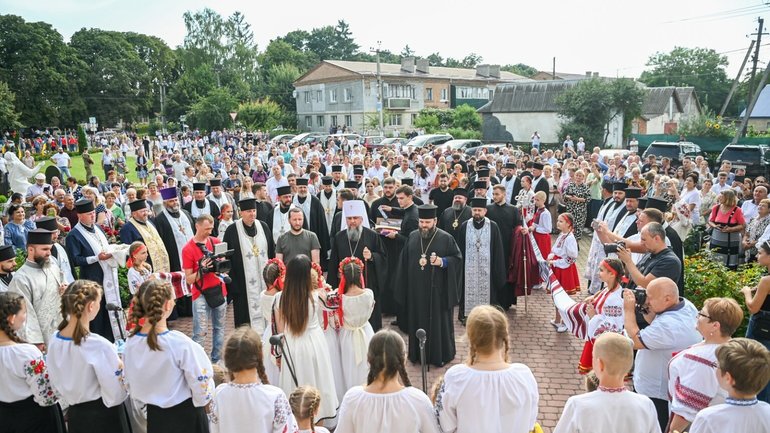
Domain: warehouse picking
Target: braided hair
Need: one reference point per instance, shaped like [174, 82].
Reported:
[74, 301]
[243, 351]
[487, 329]
[386, 357]
[304, 402]
[351, 272]
[10, 305]
[274, 273]
[154, 295]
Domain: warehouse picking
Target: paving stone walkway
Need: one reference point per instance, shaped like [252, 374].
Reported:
[552, 357]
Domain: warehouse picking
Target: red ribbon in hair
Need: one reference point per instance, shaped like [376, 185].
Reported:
[569, 220]
[130, 260]
[278, 283]
[609, 268]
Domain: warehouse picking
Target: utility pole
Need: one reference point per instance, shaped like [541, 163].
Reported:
[380, 100]
[754, 60]
[737, 79]
[162, 110]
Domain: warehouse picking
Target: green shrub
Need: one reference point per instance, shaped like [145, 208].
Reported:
[82, 140]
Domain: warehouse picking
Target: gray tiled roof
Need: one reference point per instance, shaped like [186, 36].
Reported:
[532, 97]
[656, 101]
[393, 69]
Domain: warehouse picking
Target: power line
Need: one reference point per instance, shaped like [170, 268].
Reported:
[723, 15]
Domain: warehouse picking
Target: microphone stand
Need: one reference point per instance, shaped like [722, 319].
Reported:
[277, 340]
[421, 336]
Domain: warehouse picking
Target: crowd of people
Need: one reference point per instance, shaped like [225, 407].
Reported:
[312, 247]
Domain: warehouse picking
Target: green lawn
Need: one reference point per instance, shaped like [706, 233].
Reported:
[78, 169]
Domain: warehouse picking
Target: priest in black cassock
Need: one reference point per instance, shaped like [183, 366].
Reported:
[454, 216]
[539, 182]
[314, 215]
[252, 242]
[360, 241]
[200, 205]
[279, 217]
[175, 227]
[430, 278]
[484, 261]
[394, 244]
[388, 198]
[508, 218]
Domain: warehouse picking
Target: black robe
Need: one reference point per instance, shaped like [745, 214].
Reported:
[447, 220]
[214, 213]
[508, 218]
[264, 211]
[409, 223]
[317, 225]
[374, 210]
[375, 272]
[163, 225]
[542, 185]
[497, 271]
[236, 290]
[428, 296]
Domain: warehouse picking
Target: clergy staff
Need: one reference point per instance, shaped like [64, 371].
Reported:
[314, 215]
[58, 253]
[358, 240]
[40, 282]
[140, 228]
[484, 261]
[252, 242]
[200, 205]
[89, 250]
[175, 228]
[454, 216]
[7, 266]
[429, 283]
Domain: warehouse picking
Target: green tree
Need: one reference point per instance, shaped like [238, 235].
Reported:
[428, 122]
[9, 117]
[333, 43]
[471, 61]
[42, 71]
[279, 51]
[82, 139]
[191, 86]
[520, 69]
[117, 85]
[279, 85]
[212, 112]
[407, 51]
[163, 67]
[435, 59]
[466, 117]
[592, 104]
[701, 68]
[264, 114]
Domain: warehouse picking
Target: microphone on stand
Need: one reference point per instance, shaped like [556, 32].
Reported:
[275, 340]
[116, 310]
[422, 336]
[113, 307]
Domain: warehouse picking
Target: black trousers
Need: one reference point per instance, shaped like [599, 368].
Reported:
[661, 407]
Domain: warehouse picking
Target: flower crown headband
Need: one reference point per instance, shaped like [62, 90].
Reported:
[281, 272]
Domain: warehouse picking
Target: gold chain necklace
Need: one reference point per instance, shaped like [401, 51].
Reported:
[423, 260]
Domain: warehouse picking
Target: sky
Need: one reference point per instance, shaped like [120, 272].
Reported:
[614, 38]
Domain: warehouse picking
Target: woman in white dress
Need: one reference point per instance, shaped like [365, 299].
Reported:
[330, 323]
[306, 352]
[388, 402]
[356, 332]
[247, 399]
[692, 373]
[273, 274]
[487, 394]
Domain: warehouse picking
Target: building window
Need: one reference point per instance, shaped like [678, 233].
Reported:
[414, 118]
[348, 120]
[309, 121]
[444, 96]
[334, 120]
[347, 95]
[307, 97]
[319, 95]
[429, 94]
[333, 95]
[400, 91]
[319, 120]
[473, 93]
[395, 120]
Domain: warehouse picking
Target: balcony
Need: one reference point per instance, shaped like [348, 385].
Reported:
[398, 103]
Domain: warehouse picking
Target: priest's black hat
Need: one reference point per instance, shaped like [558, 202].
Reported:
[46, 223]
[138, 205]
[283, 190]
[302, 181]
[39, 237]
[619, 186]
[642, 203]
[247, 204]
[538, 166]
[336, 168]
[460, 191]
[84, 205]
[199, 186]
[351, 184]
[426, 211]
[484, 172]
[479, 202]
[7, 252]
[215, 182]
[479, 184]
[358, 171]
[633, 192]
[326, 180]
[607, 185]
[482, 163]
[656, 203]
[510, 165]
[407, 181]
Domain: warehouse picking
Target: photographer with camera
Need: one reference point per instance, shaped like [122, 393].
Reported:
[659, 261]
[202, 270]
[672, 328]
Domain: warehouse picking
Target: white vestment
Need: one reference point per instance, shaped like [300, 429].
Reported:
[254, 257]
[330, 207]
[64, 262]
[40, 288]
[182, 230]
[478, 263]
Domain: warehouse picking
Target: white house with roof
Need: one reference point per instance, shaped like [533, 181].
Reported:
[759, 118]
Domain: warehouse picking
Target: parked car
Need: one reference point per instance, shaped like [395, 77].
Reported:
[353, 139]
[301, 137]
[610, 153]
[393, 142]
[754, 158]
[428, 140]
[460, 145]
[675, 151]
[282, 137]
[372, 141]
[489, 147]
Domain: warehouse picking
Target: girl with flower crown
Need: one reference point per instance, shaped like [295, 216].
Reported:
[356, 306]
[273, 273]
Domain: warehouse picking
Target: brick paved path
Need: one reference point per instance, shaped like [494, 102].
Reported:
[552, 357]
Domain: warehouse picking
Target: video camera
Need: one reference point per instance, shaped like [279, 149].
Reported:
[613, 248]
[220, 260]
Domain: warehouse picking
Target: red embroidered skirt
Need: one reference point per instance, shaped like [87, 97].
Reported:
[568, 278]
[586, 363]
[543, 241]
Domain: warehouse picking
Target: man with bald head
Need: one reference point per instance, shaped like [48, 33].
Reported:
[672, 328]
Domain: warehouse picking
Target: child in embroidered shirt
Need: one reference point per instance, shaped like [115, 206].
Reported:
[94, 390]
[27, 401]
[139, 270]
[247, 399]
[611, 408]
[273, 274]
[744, 370]
[305, 403]
[562, 262]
